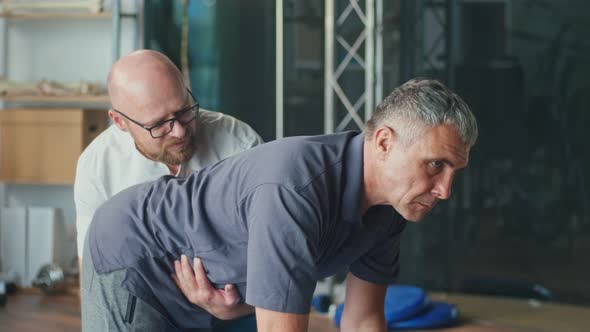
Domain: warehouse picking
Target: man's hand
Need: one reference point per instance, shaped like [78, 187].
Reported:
[193, 283]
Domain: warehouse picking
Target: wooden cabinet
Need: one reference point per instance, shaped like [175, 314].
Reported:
[43, 145]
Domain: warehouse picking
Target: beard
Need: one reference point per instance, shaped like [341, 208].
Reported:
[169, 157]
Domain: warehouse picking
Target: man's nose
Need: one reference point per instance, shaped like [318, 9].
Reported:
[179, 130]
[442, 187]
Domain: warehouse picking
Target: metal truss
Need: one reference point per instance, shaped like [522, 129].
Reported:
[430, 36]
[371, 62]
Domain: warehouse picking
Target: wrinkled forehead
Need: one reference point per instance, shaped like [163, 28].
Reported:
[443, 142]
[459, 154]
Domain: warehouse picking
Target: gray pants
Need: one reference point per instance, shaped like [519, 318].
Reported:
[106, 306]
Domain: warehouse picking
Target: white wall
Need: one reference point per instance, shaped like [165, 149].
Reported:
[62, 50]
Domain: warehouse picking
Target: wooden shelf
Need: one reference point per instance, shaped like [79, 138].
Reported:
[56, 15]
[57, 99]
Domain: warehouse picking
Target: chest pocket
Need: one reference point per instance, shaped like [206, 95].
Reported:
[224, 264]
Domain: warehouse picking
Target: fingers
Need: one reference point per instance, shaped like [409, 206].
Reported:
[180, 284]
[200, 275]
[178, 277]
[187, 271]
[196, 287]
[184, 276]
[177, 269]
[185, 280]
[231, 295]
[176, 281]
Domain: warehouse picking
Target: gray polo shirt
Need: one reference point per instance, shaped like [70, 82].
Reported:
[272, 220]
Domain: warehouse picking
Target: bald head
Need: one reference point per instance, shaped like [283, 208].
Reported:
[144, 80]
[146, 90]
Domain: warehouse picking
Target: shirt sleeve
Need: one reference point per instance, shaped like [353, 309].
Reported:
[253, 139]
[283, 236]
[246, 135]
[380, 265]
[237, 136]
[88, 196]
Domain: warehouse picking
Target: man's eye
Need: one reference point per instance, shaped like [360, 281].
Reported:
[161, 125]
[436, 164]
[184, 114]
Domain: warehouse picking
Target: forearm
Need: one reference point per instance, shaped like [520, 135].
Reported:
[270, 321]
[363, 308]
[366, 323]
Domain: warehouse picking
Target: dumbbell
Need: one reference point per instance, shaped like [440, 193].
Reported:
[50, 279]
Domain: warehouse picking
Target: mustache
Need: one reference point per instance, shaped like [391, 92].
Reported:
[172, 142]
[164, 149]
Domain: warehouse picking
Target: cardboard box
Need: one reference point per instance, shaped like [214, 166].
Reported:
[43, 145]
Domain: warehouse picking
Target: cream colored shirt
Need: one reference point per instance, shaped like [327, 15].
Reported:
[111, 163]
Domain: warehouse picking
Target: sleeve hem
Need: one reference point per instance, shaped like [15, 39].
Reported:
[373, 279]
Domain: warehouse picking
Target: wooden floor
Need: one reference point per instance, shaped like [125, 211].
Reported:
[32, 311]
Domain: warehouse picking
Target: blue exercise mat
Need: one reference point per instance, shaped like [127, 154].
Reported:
[321, 302]
[439, 314]
[403, 302]
[338, 314]
[408, 307]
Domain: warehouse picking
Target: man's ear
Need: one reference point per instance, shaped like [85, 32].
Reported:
[118, 120]
[383, 139]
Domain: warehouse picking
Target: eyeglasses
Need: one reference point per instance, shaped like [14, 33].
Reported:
[164, 127]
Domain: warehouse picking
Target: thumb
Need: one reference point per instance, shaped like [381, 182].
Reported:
[231, 294]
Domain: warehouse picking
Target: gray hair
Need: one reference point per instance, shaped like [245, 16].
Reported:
[419, 104]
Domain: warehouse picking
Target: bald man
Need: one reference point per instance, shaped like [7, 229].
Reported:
[158, 129]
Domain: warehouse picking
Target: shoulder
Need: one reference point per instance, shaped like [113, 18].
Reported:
[297, 161]
[224, 127]
[313, 153]
[220, 136]
[112, 140]
[112, 147]
[328, 143]
[97, 148]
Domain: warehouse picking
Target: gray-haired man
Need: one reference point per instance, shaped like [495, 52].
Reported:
[275, 219]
